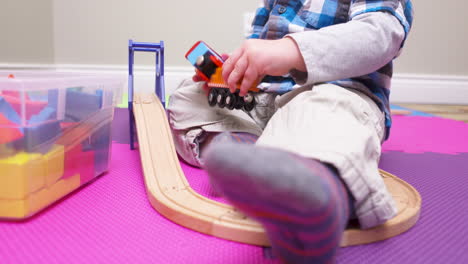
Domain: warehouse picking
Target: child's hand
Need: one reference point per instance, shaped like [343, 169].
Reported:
[257, 58]
[197, 78]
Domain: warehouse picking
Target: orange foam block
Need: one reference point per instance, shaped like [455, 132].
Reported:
[8, 130]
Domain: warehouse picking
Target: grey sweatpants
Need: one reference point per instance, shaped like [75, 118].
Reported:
[326, 122]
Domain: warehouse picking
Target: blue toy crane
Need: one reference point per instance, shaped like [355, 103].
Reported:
[158, 49]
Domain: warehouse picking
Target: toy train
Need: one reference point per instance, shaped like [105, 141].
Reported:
[208, 65]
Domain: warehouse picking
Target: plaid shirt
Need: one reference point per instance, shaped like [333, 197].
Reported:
[277, 18]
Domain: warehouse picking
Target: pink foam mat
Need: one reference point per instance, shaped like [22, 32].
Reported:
[415, 134]
[111, 221]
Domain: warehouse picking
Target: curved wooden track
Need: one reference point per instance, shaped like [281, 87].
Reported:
[171, 195]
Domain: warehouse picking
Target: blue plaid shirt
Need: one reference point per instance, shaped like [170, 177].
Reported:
[277, 18]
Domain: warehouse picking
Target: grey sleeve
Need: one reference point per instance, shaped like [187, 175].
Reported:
[358, 47]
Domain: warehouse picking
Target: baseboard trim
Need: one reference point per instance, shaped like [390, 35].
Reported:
[406, 88]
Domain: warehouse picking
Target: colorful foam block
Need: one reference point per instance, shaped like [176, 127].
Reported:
[9, 131]
[31, 107]
[21, 174]
[21, 208]
[71, 161]
[79, 105]
[55, 163]
[55, 192]
[79, 162]
[38, 138]
[87, 170]
[100, 142]
[47, 114]
[7, 110]
[13, 208]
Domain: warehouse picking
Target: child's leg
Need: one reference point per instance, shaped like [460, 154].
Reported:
[302, 203]
[344, 128]
[194, 123]
[330, 124]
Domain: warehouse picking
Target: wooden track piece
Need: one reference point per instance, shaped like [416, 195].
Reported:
[171, 195]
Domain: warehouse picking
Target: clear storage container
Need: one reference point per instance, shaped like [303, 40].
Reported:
[55, 135]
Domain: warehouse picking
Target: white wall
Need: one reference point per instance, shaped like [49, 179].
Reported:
[26, 34]
[439, 39]
[96, 32]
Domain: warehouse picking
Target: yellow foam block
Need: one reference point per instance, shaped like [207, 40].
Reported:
[37, 201]
[21, 174]
[13, 209]
[64, 187]
[55, 160]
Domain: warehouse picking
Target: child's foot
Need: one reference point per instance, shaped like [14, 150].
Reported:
[226, 137]
[302, 203]
[239, 137]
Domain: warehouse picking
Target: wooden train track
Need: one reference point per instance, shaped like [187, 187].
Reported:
[171, 195]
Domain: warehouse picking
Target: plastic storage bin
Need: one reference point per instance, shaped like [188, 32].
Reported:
[55, 135]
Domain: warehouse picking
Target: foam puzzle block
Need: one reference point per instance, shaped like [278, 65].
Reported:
[79, 105]
[71, 161]
[79, 162]
[100, 143]
[21, 174]
[8, 130]
[64, 187]
[13, 208]
[21, 208]
[8, 112]
[55, 163]
[87, 172]
[31, 107]
[48, 113]
[39, 138]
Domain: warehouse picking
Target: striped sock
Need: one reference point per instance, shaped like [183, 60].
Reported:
[302, 203]
[239, 137]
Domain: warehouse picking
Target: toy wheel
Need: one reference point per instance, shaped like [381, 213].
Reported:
[221, 98]
[239, 101]
[230, 101]
[249, 102]
[212, 96]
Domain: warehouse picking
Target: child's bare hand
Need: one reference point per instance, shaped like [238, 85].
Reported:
[257, 58]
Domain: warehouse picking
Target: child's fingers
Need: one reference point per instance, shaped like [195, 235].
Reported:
[225, 56]
[230, 63]
[250, 76]
[237, 74]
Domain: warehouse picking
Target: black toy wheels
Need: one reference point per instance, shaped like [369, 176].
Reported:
[249, 102]
[224, 98]
[231, 100]
[212, 97]
[221, 98]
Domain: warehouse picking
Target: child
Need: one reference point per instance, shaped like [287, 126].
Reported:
[314, 164]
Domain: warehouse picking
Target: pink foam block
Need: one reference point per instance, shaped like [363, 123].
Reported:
[32, 107]
[80, 162]
[416, 134]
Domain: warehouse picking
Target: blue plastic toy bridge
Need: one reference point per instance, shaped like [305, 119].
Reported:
[158, 49]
